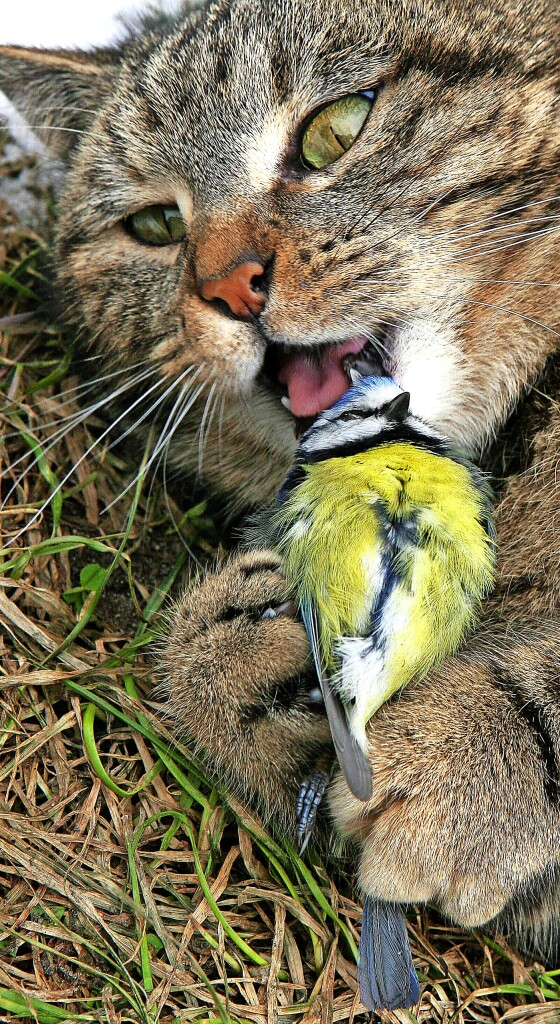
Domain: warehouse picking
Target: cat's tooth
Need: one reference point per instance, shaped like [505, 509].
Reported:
[286, 403]
[350, 370]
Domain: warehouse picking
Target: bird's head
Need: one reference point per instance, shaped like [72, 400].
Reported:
[373, 410]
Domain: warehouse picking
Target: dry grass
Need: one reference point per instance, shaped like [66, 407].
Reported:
[130, 889]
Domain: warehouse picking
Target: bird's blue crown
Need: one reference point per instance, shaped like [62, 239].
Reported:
[378, 390]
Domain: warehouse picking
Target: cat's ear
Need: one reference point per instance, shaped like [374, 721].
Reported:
[58, 92]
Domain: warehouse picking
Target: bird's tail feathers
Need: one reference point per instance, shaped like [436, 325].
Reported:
[385, 971]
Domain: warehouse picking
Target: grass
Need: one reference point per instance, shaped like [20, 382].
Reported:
[131, 890]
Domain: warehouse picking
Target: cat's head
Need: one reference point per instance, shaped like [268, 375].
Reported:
[267, 186]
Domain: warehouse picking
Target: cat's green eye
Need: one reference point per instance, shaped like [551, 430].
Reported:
[334, 129]
[157, 225]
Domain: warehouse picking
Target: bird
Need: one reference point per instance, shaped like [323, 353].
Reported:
[386, 532]
[385, 528]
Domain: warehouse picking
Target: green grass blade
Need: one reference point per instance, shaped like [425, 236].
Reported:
[30, 1008]
[88, 719]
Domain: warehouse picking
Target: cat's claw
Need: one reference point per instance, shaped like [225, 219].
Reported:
[286, 608]
[310, 795]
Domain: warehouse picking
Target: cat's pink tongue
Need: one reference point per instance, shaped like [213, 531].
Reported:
[315, 385]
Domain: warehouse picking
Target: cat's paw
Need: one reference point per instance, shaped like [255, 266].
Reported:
[460, 814]
[241, 685]
[238, 627]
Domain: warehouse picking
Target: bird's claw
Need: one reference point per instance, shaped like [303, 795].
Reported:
[310, 795]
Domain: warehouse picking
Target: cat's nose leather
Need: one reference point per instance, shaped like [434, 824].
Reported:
[237, 289]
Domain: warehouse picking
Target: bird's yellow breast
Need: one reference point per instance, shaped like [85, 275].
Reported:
[350, 514]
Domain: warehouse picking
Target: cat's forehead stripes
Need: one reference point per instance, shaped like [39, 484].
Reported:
[193, 87]
[264, 152]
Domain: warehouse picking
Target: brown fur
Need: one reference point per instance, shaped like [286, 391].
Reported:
[254, 733]
[440, 222]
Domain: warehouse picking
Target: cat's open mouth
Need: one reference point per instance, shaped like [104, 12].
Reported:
[309, 380]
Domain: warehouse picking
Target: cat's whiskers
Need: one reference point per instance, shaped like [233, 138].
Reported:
[95, 444]
[373, 338]
[410, 221]
[161, 469]
[448, 276]
[448, 233]
[497, 233]
[206, 422]
[381, 209]
[177, 415]
[78, 392]
[514, 313]
[85, 386]
[49, 109]
[356, 324]
[182, 405]
[467, 255]
[220, 428]
[418, 217]
[73, 420]
[171, 386]
[478, 250]
[55, 128]
[458, 321]
[499, 244]
[497, 216]
[472, 252]
[489, 305]
[51, 126]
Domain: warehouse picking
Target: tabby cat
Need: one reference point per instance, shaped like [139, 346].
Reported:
[254, 192]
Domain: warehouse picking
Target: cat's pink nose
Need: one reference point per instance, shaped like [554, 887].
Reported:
[237, 289]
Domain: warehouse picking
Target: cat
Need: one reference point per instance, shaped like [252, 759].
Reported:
[254, 190]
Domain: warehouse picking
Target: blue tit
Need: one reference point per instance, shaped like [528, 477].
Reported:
[386, 531]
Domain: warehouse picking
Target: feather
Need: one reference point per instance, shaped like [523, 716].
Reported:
[351, 757]
[385, 971]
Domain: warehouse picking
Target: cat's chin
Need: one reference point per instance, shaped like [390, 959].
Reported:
[308, 380]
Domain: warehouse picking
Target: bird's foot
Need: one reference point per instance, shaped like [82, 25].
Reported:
[310, 795]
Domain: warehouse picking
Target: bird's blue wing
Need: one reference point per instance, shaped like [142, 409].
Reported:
[385, 971]
[351, 757]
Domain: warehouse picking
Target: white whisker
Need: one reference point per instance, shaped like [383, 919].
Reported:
[206, 422]
[155, 405]
[183, 403]
[78, 393]
[74, 420]
[95, 444]
[500, 214]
